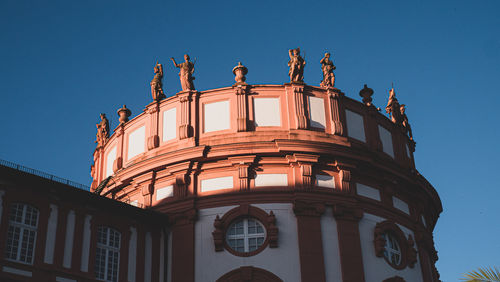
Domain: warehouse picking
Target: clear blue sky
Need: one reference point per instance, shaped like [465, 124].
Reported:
[64, 62]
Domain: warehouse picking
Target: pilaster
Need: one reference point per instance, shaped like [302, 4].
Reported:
[351, 256]
[312, 265]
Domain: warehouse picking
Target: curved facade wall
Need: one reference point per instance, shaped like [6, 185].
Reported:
[325, 174]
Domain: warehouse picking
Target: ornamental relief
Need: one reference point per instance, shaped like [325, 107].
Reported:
[392, 244]
[245, 231]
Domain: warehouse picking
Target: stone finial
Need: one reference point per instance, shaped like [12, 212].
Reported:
[296, 65]
[186, 70]
[102, 134]
[366, 93]
[240, 71]
[124, 114]
[327, 68]
[157, 84]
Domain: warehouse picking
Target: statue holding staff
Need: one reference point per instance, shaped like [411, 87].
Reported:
[185, 73]
[327, 67]
[393, 107]
[296, 65]
[156, 83]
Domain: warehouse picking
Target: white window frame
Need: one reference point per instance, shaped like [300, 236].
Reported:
[109, 249]
[390, 251]
[246, 236]
[23, 227]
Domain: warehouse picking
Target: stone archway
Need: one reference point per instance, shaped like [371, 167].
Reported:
[249, 274]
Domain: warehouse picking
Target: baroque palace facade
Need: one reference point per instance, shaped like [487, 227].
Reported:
[287, 182]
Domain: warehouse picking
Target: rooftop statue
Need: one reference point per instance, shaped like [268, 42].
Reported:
[296, 64]
[404, 121]
[327, 67]
[156, 83]
[102, 131]
[185, 73]
[393, 108]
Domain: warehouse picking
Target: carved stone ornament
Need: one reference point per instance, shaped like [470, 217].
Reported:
[366, 93]
[240, 71]
[186, 70]
[327, 68]
[296, 65]
[408, 252]
[124, 114]
[221, 225]
[393, 108]
[102, 131]
[157, 84]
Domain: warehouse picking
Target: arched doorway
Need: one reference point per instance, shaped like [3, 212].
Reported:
[249, 274]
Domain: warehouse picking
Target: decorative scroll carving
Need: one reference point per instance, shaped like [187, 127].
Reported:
[272, 230]
[306, 170]
[241, 94]
[298, 93]
[156, 83]
[153, 141]
[379, 241]
[296, 65]
[102, 131]
[327, 67]
[243, 164]
[347, 212]
[334, 98]
[185, 123]
[412, 253]
[186, 73]
[218, 234]
[181, 182]
[243, 176]
[301, 208]
[345, 181]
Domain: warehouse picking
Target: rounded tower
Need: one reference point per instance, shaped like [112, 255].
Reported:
[287, 182]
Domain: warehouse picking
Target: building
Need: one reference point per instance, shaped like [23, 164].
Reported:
[284, 182]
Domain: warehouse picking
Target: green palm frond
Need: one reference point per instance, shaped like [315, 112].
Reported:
[489, 274]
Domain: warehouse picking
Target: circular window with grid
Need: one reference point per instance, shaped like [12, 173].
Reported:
[245, 235]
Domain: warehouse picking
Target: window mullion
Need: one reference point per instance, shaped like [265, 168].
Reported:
[245, 232]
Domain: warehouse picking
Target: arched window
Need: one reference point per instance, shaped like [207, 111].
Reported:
[21, 236]
[107, 254]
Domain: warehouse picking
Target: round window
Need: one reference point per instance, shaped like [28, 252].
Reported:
[392, 250]
[245, 235]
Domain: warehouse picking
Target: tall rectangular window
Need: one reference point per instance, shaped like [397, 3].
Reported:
[107, 254]
[21, 235]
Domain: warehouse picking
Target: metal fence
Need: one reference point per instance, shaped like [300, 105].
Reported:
[43, 174]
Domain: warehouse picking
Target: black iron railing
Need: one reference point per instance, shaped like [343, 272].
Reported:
[43, 174]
